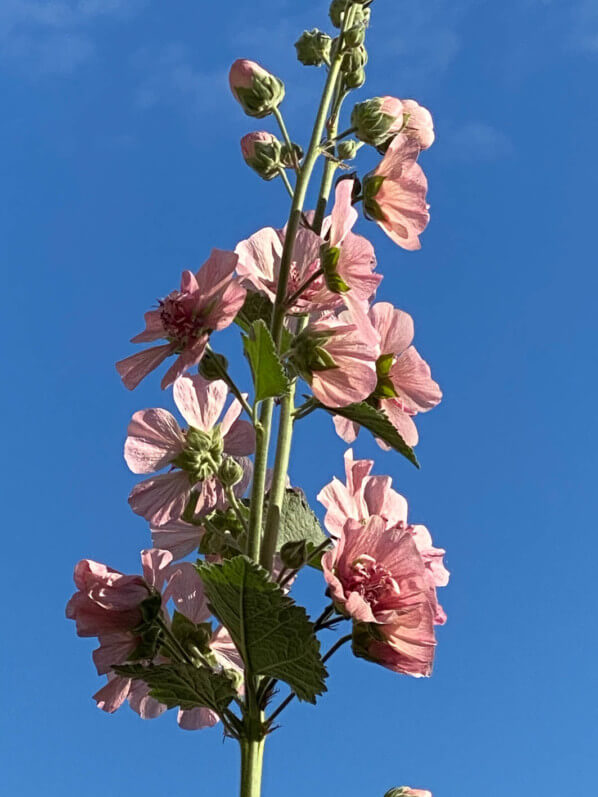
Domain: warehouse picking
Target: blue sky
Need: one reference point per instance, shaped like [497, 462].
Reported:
[120, 166]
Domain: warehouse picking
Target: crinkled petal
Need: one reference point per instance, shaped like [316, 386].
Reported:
[162, 498]
[154, 440]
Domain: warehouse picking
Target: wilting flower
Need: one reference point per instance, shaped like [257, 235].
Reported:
[377, 577]
[156, 441]
[420, 125]
[179, 583]
[395, 193]
[363, 496]
[405, 386]
[207, 301]
[257, 90]
[261, 150]
[337, 358]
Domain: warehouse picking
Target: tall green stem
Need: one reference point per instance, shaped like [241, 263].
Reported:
[260, 466]
[252, 756]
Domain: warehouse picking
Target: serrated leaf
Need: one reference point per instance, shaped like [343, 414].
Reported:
[298, 521]
[255, 307]
[183, 685]
[274, 636]
[269, 377]
[376, 420]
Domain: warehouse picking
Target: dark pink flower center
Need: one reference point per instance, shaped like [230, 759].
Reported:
[371, 580]
[182, 321]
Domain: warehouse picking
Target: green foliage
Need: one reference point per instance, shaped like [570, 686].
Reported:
[378, 424]
[273, 635]
[298, 521]
[269, 377]
[183, 685]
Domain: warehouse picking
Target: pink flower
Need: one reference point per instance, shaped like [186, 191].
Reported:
[363, 496]
[155, 441]
[377, 120]
[377, 577]
[179, 583]
[208, 301]
[395, 193]
[405, 386]
[420, 125]
[336, 357]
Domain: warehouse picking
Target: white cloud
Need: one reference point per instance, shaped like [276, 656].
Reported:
[477, 141]
[54, 36]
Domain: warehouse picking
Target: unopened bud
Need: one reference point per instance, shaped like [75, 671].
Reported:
[294, 554]
[378, 120]
[337, 10]
[290, 157]
[354, 59]
[261, 151]
[212, 365]
[230, 472]
[354, 80]
[313, 47]
[355, 36]
[347, 150]
[257, 90]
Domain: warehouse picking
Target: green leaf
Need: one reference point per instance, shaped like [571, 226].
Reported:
[183, 685]
[298, 521]
[273, 635]
[376, 420]
[269, 377]
[255, 307]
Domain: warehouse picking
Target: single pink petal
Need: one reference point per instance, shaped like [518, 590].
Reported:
[154, 440]
[195, 719]
[401, 420]
[412, 378]
[224, 648]
[178, 537]
[154, 328]
[228, 305]
[136, 367]
[347, 430]
[140, 701]
[162, 498]
[259, 259]
[113, 695]
[240, 439]
[155, 563]
[216, 272]
[394, 327]
[114, 649]
[200, 402]
[343, 215]
[188, 282]
[338, 387]
[382, 500]
[189, 357]
[186, 590]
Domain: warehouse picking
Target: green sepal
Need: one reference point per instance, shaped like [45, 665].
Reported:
[329, 257]
[189, 633]
[385, 388]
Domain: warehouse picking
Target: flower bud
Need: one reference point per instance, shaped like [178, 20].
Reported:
[355, 36]
[313, 47]
[337, 10]
[261, 151]
[354, 59]
[208, 367]
[294, 554]
[291, 156]
[377, 120]
[347, 150]
[354, 80]
[230, 472]
[257, 90]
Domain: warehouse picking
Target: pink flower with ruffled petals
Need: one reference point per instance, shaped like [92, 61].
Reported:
[207, 301]
[405, 386]
[337, 357]
[377, 577]
[395, 193]
[155, 441]
[363, 496]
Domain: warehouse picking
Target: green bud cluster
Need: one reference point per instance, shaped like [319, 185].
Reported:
[266, 93]
[230, 472]
[223, 535]
[347, 150]
[313, 47]
[361, 15]
[202, 454]
[308, 354]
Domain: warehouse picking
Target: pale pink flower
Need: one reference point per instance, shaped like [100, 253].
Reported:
[377, 577]
[207, 301]
[363, 496]
[420, 125]
[395, 193]
[405, 386]
[336, 357]
[155, 441]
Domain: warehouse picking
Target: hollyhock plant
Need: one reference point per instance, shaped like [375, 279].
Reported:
[207, 301]
[211, 628]
[156, 441]
[377, 576]
[405, 386]
[336, 359]
[394, 194]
